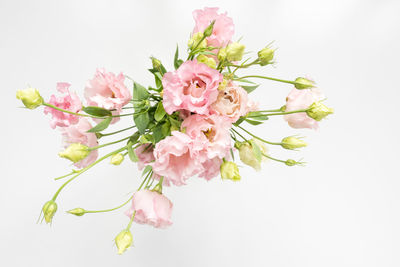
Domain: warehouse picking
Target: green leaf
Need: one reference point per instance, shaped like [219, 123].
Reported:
[207, 53]
[101, 125]
[166, 129]
[131, 153]
[258, 116]
[140, 92]
[256, 150]
[97, 111]
[175, 124]
[146, 170]
[141, 121]
[133, 139]
[157, 133]
[253, 122]
[158, 79]
[249, 88]
[239, 121]
[177, 62]
[160, 112]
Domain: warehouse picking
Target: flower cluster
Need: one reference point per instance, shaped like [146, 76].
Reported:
[189, 124]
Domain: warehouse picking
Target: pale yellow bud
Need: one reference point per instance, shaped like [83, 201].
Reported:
[209, 61]
[75, 152]
[229, 170]
[117, 159]
[318, 111]
[303, 83]
[292, 142]
[123, 241]
[195, 39]
[30, 97]
[223, 84]
[49, 209]
[77, 211]
[248, 154]
[265, 56]
[235, 51]
[222, 54]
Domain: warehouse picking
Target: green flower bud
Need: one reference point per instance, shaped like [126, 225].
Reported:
[30, 97]
[49, 209]
[123, 241]
[117, 159]
[209, 61]
[291, 162]
[223, 84]
[292, 142]
[229, 170]
[235, 51]
[195, 39]
[75, 152]
[209, 30]
[156, 63]
[303, 83]
[222, 54]
[247, 153]
[265, 56]
[77, 211]
[318, 111]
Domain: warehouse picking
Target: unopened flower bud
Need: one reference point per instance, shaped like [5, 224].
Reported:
[158, 188]
[265, 56]
[292, 142]
[222, 54]
[30, 97]
[318, 111]
[223, 84]
[195, 39]
[49, 209]
[303, 83]
[75, 152]
[291, 162]
[77, 211]
[235, 51]
[229, 170]
[123, 241]
[209, 30]
[209, 61]
[156, 63]
[117, 159]
[247, 153]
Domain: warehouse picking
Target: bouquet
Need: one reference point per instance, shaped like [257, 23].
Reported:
[191, 122]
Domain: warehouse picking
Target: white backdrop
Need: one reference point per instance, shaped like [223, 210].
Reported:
[342, 209]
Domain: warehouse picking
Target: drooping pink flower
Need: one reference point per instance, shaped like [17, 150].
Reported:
[210, 135]
[175, 159]
[302, 99]
[108, 91]
[151, 208]
[77, 133]
[145, 155]
[68, 101]
[193, 87]
[223, 28]
[232, 103]
[211, 168]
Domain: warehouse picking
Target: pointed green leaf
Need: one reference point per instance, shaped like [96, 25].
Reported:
[176, 58]
[139, 92]
[97, 111]
[249, 88]
[132, 155]
[253, 122]
[160, 112]
[141, 121]
[146, 170]
[101, 125]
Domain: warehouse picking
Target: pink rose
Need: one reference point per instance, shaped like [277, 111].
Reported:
[193, 87]
[211, 168]
[108, 91]
[68, 101]
[77, 133]
[210, 134]
[223, 28]
[175, 159]
[302, 99]
[151, 208]
[145, 155]
[232, 103]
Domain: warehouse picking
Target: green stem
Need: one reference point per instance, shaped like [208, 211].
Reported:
[279, 160]
[67, 111]
[85, 169]
[270, 110]
[268, 78]
[280, 113]
[265, 141]
[193, 50]
[239, 135]
[107, 144]
[131, 220]
[245, 65]
[107, 134]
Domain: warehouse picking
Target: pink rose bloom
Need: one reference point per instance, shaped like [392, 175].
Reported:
[77, 133]
[302, 99]
[68, 101]
[193, 87]
[223, 28]
[145, 155]
[108, 91]
[232, 103]
[211, 168]
[210, 135]
[175, 159]
[151, 208]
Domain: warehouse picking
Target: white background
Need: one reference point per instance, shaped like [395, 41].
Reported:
[342, 209]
